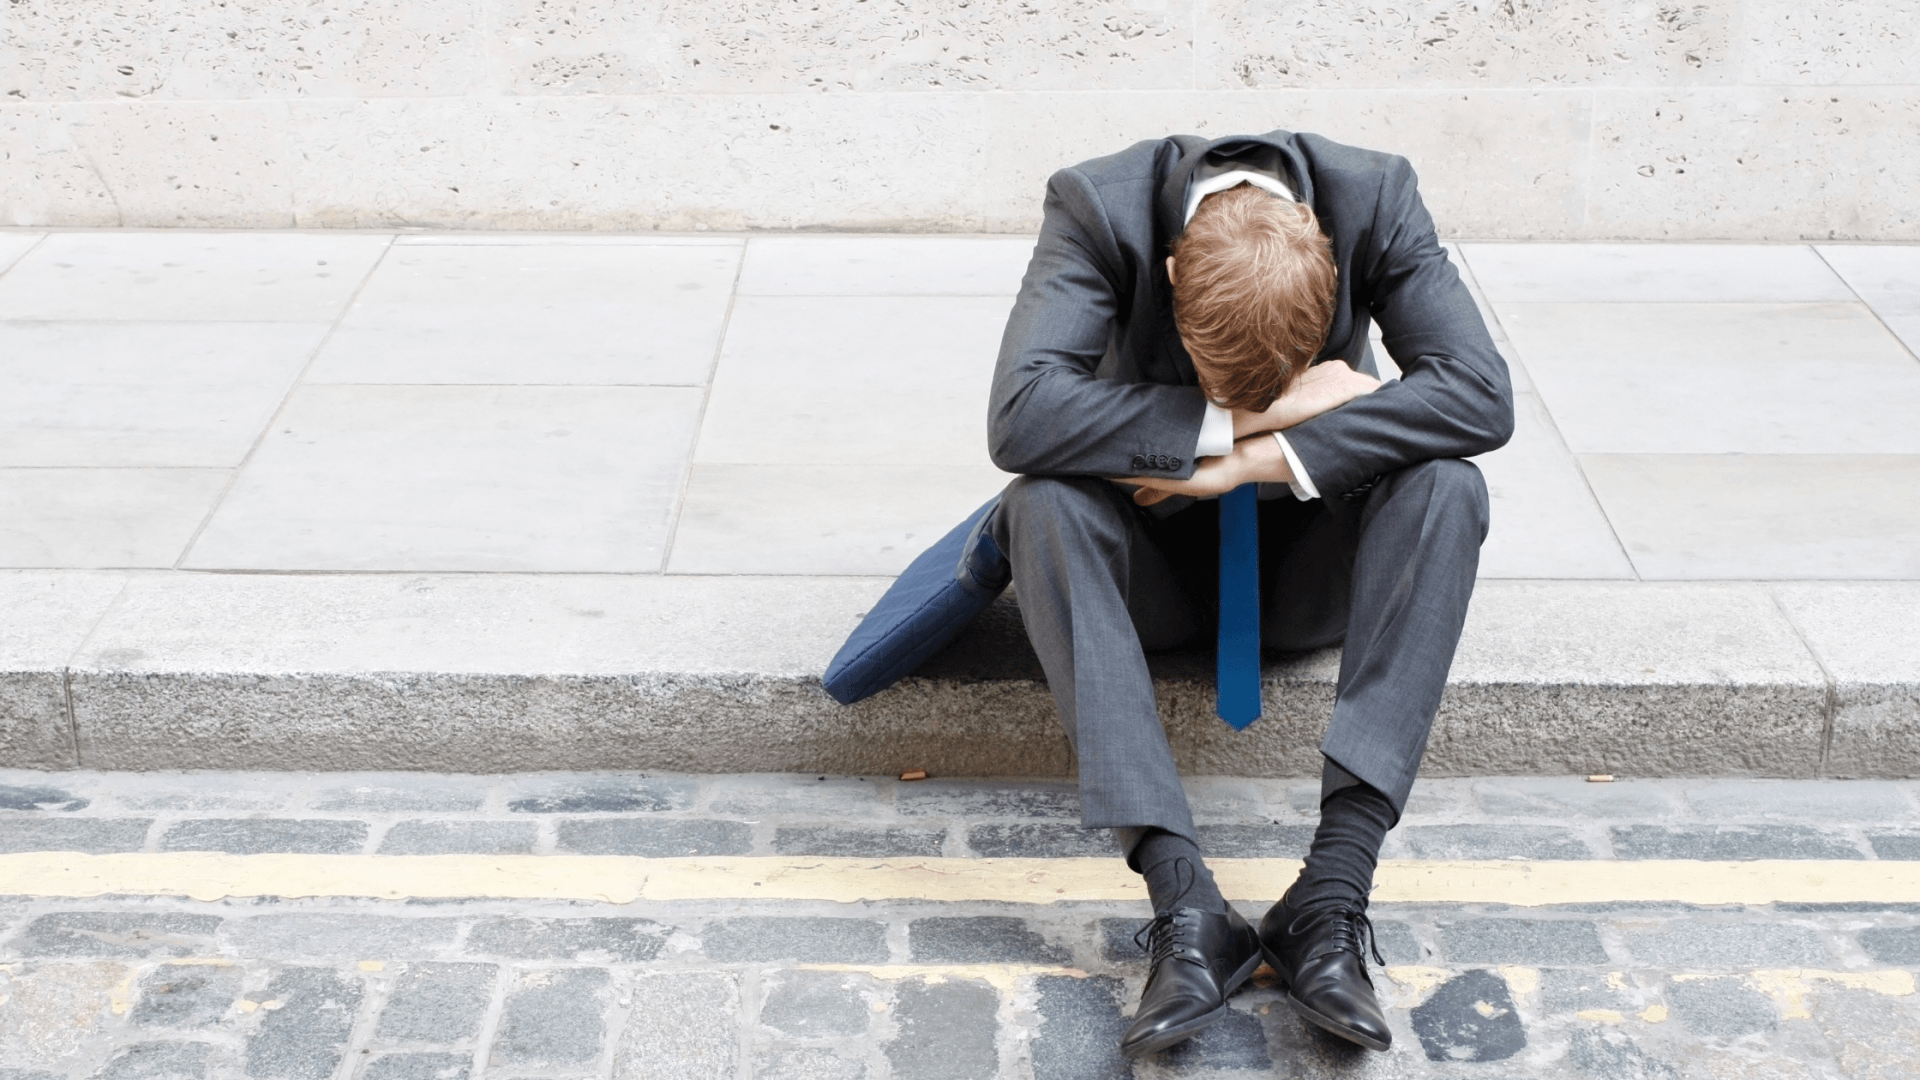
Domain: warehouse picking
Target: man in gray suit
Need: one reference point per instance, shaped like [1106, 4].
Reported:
[1194, 319]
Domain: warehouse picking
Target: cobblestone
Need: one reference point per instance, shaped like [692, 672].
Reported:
[806, 1064]
[552, 1019]
[1723, 1007]
[91, 836]
[437, 1003]
[186, 995]
[946, 1030]
[427, 794]
[460, 837]
[825, 797]
[418, 1066]
[1471, 1017]
[606, 796]
[1080, 1028]
[1495, 842]
[117, 934]
[1039, 841]
[304, 1034]
[653, 839]
[1552, 797]
[591, 940]
[879, 843]
[807, 1004]
[1027, 801]
[679, 1028]
[256, 836]
[1801, 800]
[37, 797]
[158, 1061]
[1255, 841]
[1692, 944]
[1522, 941]
[1237, 1041]
[1892, 944]
[1731, 842]
[981, 939]
[339, 936]
[760, 938]
[1895, 845]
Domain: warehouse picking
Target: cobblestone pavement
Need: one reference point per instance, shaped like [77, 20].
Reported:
[140, 988]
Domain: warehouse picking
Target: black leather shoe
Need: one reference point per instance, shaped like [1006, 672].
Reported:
[1320, 955]
[1198, 958]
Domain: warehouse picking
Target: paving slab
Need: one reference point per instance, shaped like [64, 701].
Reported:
[822, 519]
[1717, 516]
[1720, 378]
[14, 244]
[49, 615]
[848, 380]
[1887, 277]
[1546, 522]
[885, 266]
[1867, 637]
[614, 315]
[144, 394]
[459, 478]
[90, 517]
[1652, 273]
[180, 275]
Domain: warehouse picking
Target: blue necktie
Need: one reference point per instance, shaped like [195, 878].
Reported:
[1237, 680]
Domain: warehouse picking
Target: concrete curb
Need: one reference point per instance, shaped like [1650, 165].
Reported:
[489, 673]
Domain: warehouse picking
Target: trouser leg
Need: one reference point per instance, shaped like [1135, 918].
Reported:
[1413, 574]
[1094, 592]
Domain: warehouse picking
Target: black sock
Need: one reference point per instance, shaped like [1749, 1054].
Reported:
[1354, 819]
[1177, 877]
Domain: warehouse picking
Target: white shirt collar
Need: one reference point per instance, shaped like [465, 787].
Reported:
[1233, 179]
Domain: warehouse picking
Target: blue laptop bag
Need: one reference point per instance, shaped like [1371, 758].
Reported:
[927, 606]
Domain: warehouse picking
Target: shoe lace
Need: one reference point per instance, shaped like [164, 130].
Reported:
[1352, 931]
[1162, 934]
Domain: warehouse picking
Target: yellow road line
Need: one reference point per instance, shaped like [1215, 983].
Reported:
[619, 880]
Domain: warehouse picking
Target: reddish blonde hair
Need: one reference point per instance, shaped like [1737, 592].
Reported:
[1253, 293]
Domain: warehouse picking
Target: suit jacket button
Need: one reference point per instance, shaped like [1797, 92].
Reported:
[1139, 461]
[1176, 463]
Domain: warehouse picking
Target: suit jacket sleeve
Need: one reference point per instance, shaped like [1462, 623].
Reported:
[1049, 413]
[1453, 398]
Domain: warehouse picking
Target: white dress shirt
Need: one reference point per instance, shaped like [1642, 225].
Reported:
[1216, 428]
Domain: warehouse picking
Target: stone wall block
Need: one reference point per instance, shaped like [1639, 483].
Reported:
[1832, 41]
[191, 164]
[840, 45]
[1492, 163]
[872, 162]
[45, 177]
[78, 50]
[1706, 164]
[1456, 43]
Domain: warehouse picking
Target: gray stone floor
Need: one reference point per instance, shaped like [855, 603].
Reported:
[141, 988]
[794, 405]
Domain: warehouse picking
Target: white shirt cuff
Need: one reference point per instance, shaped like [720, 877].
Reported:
[1216, 433]
[1302, 484]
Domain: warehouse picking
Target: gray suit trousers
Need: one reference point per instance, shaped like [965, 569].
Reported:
[1388, 569]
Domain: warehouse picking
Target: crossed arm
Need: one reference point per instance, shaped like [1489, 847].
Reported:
[1256, 458]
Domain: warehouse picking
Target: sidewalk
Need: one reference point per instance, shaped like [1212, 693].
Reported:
[350, 500]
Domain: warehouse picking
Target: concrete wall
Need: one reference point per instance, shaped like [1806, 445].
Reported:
[1752, 119]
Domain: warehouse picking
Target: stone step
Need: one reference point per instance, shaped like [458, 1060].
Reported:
[509, 672]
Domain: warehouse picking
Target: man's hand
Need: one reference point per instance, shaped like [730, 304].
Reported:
[1257, 459]
[1321, 388]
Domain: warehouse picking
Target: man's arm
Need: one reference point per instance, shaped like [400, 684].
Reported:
[1048, 413]
[1453, 398]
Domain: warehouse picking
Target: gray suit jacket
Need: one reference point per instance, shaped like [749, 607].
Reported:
[1093, 380]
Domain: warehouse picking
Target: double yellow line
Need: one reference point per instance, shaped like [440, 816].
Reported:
[620, 880]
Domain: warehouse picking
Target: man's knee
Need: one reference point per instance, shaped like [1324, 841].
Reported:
[1451, 483]
[1049, 500]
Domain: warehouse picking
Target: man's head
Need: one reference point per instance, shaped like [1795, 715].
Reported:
[1253, 293]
